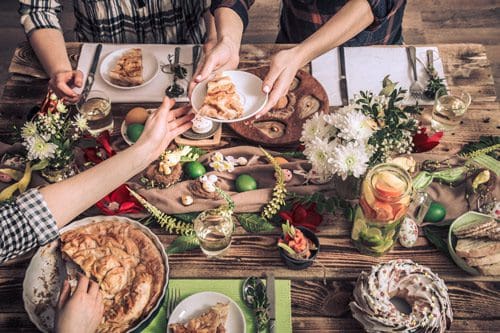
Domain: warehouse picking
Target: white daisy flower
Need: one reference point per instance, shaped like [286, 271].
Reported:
[81, 123]
[350, 159]
[315, 127]
[318, 153]
[354, 126]
[60, 107]
[29, 130]
[40, 149]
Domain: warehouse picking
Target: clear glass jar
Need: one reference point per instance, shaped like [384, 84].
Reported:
[214, 228]
[385, 197]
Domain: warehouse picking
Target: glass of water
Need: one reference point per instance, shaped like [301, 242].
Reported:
[450, 106]
[214, 229]
[97, 110]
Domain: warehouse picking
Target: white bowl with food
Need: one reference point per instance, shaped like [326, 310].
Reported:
[207, 306]
[113, 248]
[129, 68]
[229, 96]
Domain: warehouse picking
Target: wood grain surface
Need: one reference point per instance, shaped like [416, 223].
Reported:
[316, 307]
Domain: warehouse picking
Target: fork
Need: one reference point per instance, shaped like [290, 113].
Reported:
[173, 298]
[416, 89]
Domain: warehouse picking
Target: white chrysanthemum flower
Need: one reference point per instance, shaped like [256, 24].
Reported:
[29, 130]
[315, 127]
[81, 123]
[38, 148]
[350, 159]
[318, 153]
[60, 107]
[352, 125]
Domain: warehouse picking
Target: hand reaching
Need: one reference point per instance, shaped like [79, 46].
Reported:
[82, 312]
[224, 55]
[62, 84]
[163, 126]
[283, 68]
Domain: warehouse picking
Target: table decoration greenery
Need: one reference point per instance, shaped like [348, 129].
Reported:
[364, 133]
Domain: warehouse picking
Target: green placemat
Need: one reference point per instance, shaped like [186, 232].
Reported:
[230, 288]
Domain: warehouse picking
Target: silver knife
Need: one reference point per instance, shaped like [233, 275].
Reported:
[196, 57]
[90, 77]
[343, 78]
[271, 298]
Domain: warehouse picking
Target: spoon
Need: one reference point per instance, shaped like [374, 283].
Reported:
[255, 297]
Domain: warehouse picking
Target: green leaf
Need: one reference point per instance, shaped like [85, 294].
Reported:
[186, 217]
[437, 236]
[254, 223]
[183, 244]
[488, 162]
[40, 165]
[293, 154]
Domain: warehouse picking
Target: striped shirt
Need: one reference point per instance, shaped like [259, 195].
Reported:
[301, 18]
[26, 223]
[123, 21]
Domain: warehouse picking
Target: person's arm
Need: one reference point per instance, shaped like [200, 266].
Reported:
[40, 22]
[69, 198]
[350, 20]
[211, 39]
[225, 54]
[35, 216]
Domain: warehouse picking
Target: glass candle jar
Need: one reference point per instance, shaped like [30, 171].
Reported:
[385, 197]
[214, 228]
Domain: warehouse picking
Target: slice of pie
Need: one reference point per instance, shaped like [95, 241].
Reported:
[128, 69]
[212, 321]
[222, 101]
[127, 265]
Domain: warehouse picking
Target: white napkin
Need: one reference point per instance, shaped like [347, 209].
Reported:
[367, 66]
[153, 91]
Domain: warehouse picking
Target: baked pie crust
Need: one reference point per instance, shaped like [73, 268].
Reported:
[128, 70]
[127, 265]
[212, 321]
[222, 101]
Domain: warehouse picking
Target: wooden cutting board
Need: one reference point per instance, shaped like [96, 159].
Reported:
[282, 125]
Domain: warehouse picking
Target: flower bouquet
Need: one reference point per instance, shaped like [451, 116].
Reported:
[362, 134]
[49, 139]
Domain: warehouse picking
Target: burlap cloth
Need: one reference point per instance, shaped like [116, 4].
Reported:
[169, 199]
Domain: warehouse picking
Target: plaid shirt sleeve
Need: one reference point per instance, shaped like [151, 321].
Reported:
[39, 14]
[241, 8]
[25, 223]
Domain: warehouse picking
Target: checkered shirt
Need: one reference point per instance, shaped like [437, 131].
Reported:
[301, 18]
[123, 21]
[26, 223]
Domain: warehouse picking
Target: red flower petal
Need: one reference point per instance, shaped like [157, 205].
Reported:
[286, 215]
[299, 214]
[423, 142]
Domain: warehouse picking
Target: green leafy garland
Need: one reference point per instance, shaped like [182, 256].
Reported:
[279, 190]
[170, 223]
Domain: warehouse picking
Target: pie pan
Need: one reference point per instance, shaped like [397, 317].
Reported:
[150, 68]
[46, 273]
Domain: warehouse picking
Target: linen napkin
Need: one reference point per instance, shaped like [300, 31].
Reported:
[367, 66]
[232, 289]
[153, 91]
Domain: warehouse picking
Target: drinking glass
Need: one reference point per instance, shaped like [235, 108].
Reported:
[450, 106]
[385, 197]
[214, 229]
[97, 110]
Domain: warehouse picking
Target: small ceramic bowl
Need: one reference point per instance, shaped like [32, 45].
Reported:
[297, 264]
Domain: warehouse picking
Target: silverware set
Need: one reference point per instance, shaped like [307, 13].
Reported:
[173, 299]
[416, 88]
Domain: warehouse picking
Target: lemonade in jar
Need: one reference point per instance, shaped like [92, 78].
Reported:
[385, 198]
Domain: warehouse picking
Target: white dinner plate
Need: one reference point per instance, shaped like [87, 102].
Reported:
[150, 66]
[248, 86]
[198, 303]
[46, 272]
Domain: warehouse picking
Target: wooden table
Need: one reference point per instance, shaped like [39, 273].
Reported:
[315, 307]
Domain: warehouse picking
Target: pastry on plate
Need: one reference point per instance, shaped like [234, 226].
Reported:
[127, 265]
[128, 69]
[222, 101]
[211, 321]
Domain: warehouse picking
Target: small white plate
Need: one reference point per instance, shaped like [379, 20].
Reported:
[198, 303]
[150, 66]
[248, 86]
